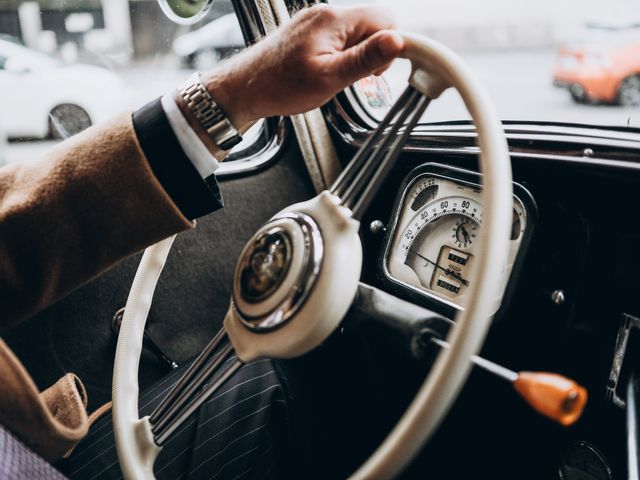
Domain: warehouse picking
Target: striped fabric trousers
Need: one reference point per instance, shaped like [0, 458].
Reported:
[238, 434]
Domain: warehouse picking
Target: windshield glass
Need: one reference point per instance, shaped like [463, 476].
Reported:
[68, 64]
[575, 61]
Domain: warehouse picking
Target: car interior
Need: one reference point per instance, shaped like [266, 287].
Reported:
[466, 297]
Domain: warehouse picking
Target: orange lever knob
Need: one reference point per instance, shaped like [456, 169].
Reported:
[554, 396]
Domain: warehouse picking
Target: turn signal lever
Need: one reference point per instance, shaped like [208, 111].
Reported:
[554, 396]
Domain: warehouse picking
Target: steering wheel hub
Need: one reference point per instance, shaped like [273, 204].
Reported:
[276, 271]
[266, 265]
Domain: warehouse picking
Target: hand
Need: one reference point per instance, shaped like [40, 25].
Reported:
[322, 50]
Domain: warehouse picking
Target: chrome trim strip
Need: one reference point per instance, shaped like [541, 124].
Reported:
[593, 162]
[630, 134]
[361, 111]
[253, 31]
[249, 20]
[558, 137]
[614, 147]
[260, 159]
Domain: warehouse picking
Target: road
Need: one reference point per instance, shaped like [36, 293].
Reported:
[518, 82]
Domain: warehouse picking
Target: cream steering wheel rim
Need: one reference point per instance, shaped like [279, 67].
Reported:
[435, 68]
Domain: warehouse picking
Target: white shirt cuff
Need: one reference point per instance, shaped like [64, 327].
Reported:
[192, 146]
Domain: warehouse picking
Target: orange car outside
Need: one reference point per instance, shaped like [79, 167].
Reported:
[603, 72]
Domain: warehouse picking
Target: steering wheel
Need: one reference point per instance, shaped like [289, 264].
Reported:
[287, 305]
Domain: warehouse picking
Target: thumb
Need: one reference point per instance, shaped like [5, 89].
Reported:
[370, 55]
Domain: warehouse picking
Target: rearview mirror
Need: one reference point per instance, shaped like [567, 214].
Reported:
[185, 12]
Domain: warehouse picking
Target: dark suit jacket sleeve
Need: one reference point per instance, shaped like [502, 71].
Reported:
[194, 196]
[92, 201]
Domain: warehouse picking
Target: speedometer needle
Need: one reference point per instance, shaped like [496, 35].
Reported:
[447, 271]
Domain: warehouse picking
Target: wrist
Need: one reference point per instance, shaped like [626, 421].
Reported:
[196, 126]
[231, 92]
[208, 116]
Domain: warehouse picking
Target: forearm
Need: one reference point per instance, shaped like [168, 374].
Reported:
[66, 218]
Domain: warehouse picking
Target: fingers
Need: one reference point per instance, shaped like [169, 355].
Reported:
[363, 21]
[321, 51]
[381, 70]
[371, 55]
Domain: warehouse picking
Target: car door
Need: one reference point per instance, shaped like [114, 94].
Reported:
[22, 94]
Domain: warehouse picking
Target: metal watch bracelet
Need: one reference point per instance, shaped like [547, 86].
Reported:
[209, 113]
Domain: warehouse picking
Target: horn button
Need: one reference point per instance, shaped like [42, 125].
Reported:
[276, 271]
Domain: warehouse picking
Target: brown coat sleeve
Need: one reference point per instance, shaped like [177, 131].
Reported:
[92, 201]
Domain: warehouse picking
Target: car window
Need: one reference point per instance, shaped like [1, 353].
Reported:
[574, 61]
[74, 63]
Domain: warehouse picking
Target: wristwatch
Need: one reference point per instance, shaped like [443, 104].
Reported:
[209, 113]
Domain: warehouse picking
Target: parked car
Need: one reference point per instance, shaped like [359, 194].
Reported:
[42, 97]
[206, 46]
[603, 71]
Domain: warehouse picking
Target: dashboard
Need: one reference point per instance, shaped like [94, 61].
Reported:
[578, 238]
[434, 239]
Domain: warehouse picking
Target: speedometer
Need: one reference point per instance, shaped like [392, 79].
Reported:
[438, 241]
[435, 238]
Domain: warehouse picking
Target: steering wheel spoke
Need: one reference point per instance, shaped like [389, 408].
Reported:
[205, 376]
[364, 175]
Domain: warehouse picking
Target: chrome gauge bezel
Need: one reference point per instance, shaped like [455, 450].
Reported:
[461, 177]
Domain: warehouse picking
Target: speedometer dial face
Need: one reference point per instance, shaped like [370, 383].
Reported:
[437, 243]
[434, 244]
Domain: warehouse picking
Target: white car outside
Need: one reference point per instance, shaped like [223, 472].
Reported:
[206, 46]
[42, 97]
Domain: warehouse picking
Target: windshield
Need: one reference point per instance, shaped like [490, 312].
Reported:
[68, 64]
[575, 61]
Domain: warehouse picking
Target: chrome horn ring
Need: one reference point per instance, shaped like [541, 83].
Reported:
[281, 261]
